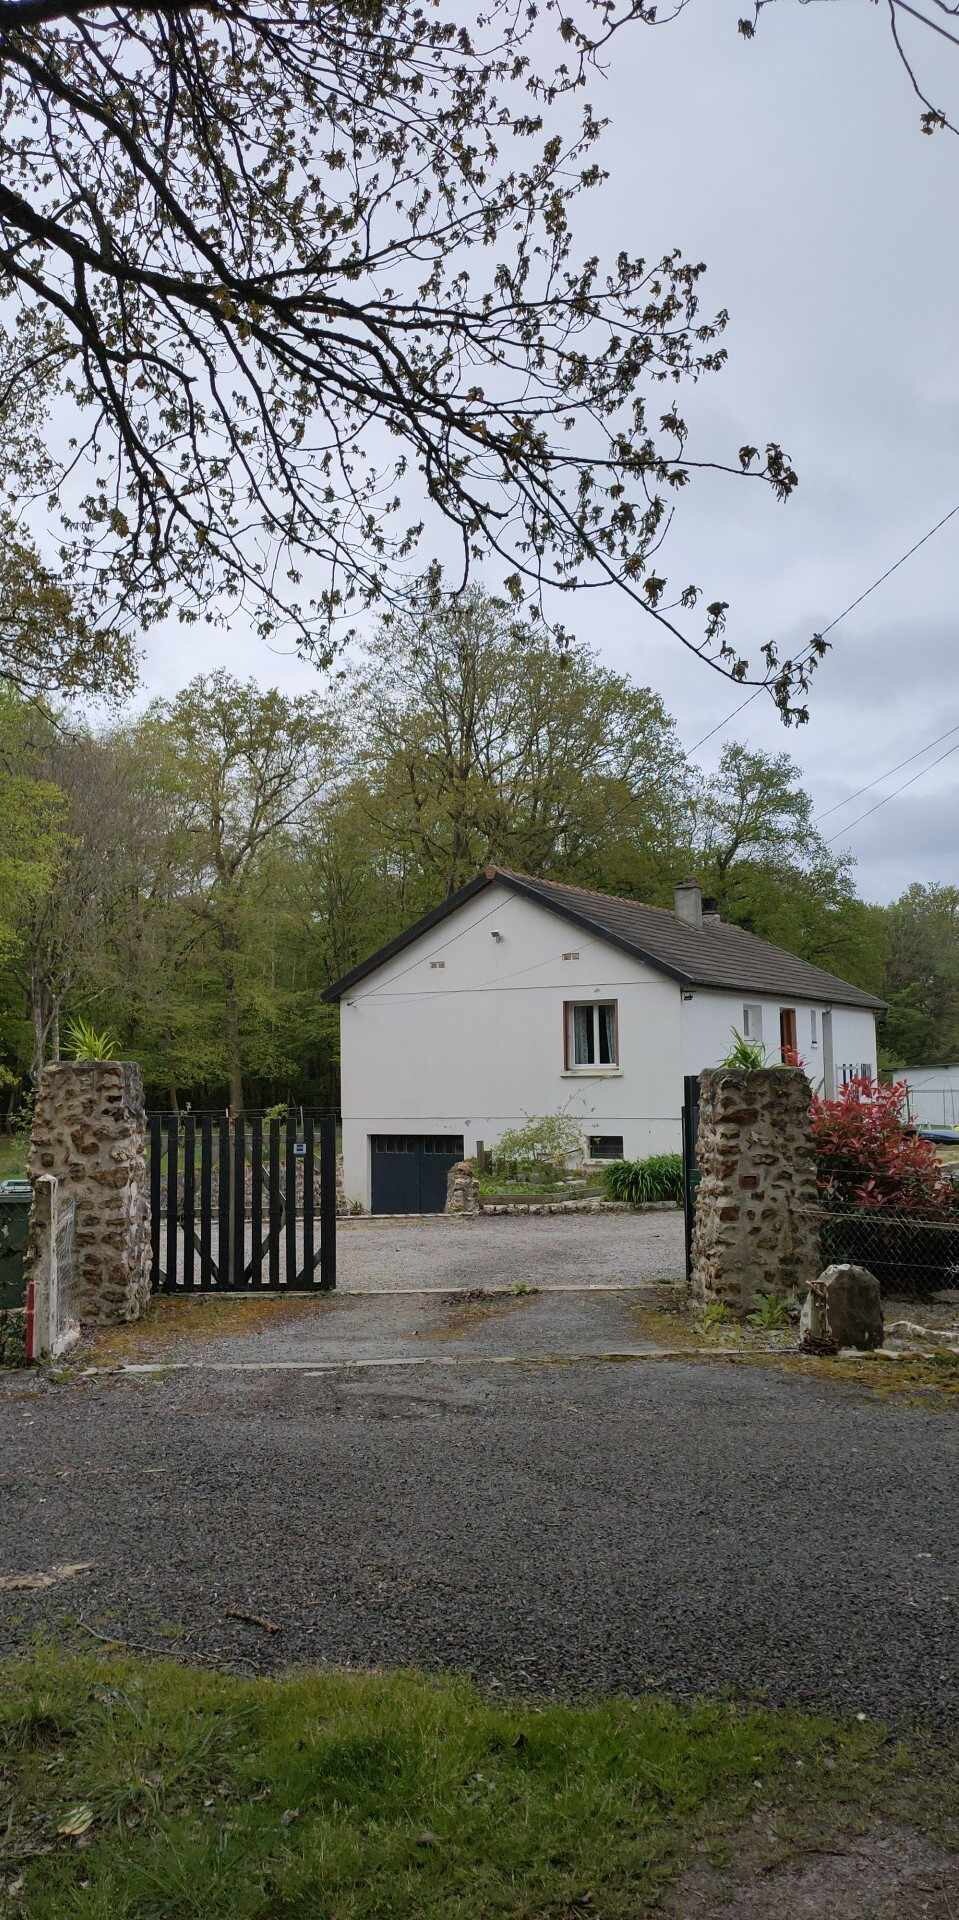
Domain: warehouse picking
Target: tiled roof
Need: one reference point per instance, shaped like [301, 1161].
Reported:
[717, 955]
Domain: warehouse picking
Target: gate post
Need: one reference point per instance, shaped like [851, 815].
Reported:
[756, 1228]
[89, 1131]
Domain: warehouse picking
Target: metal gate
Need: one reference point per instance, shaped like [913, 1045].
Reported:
[690, 1169]
[234, 1203]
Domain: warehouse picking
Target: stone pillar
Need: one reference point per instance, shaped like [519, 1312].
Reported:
[89, 1131]
[462, 1189]
[756, 1229]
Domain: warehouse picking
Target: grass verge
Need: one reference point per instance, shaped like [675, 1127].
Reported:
[13, 1156]
[929, 1380]
[171, 1320]
[144, 1789]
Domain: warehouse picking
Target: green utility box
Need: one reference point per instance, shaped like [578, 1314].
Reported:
[15, 1200]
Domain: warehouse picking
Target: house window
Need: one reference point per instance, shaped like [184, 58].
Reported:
[591, 1032]
[813, 1027]
[605, 1146]
[752, 1022]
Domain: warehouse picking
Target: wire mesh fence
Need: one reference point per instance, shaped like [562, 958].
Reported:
[912, 1258]
[902, 1225]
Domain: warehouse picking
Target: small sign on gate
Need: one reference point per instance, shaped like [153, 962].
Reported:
[299, 1149]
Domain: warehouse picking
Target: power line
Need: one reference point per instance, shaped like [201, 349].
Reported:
[884, 802]
[850, 797]
[833, 623]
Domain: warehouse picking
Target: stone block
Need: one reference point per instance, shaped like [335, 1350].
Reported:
[843, 1308]
[462, 1189]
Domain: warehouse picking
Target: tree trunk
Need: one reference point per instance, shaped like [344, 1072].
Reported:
[231, 1025]
[236, 1089]
[54, 1031]
[234, 1052]
[39, 1024]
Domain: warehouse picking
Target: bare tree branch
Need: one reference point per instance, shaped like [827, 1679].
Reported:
[314, 289]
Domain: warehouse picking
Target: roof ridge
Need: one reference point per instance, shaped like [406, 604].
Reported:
[592, 893]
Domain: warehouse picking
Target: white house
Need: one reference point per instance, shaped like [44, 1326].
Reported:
[520, 996]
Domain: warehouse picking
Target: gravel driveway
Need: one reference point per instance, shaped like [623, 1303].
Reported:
[390, 1253]
[502, 1250]
[549, 1527]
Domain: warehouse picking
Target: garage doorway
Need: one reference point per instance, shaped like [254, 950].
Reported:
[409, 1170]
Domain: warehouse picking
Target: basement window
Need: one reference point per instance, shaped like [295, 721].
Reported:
[605, 1146]
[591, 1035]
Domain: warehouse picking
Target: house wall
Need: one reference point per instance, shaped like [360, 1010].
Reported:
[708, 1019]
[475, 1045]
[464, 1033]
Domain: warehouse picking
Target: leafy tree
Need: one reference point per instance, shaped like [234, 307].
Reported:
[756, 846]
[483, 739]
[238, 768]
[63, 923]
[305, 274]
[48, 645]
[752, 808]
[51, 642]
[922, 977]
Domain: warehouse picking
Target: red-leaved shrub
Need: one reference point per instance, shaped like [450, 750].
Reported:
[867, 1159]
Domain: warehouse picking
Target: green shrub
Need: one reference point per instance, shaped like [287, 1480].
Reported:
[641, 1182]
[539, 1151]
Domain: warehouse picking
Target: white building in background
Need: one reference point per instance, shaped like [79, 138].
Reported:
[932, 1095]
[521, 996]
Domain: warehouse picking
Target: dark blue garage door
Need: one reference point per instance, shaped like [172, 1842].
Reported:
[410, 1169]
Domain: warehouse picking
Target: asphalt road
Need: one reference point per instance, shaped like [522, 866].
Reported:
[552, 1527]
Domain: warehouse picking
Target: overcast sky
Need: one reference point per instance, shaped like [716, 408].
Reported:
[794, 166]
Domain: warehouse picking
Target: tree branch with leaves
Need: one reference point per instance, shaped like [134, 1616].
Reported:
[308, 276]
[940, 18]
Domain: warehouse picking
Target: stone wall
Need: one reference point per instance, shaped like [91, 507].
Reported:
[89, 1132]
[755, 1230]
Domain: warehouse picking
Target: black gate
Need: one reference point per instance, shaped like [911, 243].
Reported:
[408, 1171]
[234, 1203]
[690, 1169]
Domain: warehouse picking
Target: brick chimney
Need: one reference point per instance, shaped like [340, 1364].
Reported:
[689, 904]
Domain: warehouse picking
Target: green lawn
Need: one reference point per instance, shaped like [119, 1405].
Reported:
[13, 1156]
[134, 1788]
